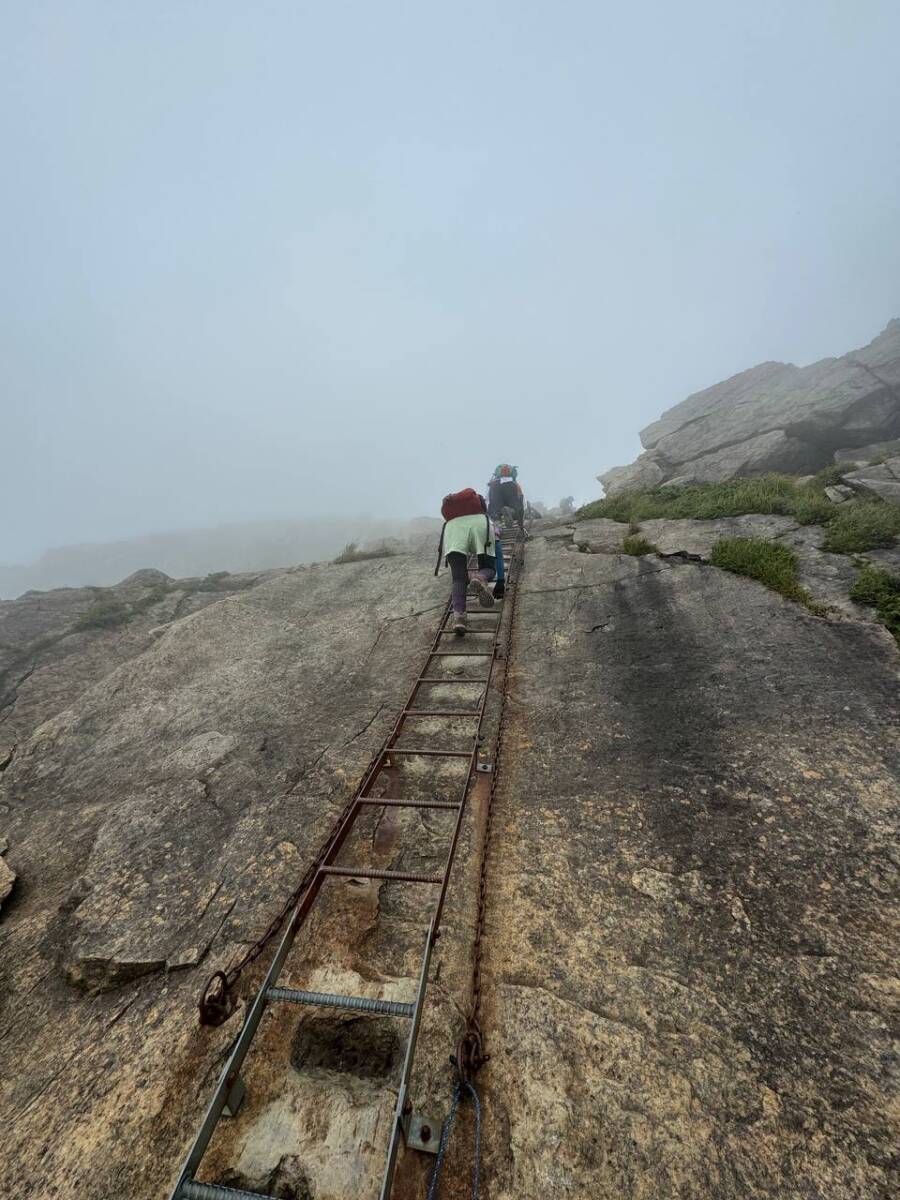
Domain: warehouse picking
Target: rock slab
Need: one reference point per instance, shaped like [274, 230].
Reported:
[774, 417]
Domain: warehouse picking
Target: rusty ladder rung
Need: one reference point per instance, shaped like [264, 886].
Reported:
[462, 653]
[440, 712]
[452, 679]
[372, 873]
[429, 753]
[385, 1008]
[469, 632]
[224, 1101]
[193, 1189]
[373, 800]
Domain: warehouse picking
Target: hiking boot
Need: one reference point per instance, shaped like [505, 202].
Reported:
[459, 624]
[482, 591]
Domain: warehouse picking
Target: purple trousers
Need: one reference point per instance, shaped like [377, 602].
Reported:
[459, 571]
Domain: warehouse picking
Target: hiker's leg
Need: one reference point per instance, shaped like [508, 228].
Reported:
[500, 585]
[495, 507]
[459, 571]
[520, 511]
[501, 568]
[482, 578]
[486, 567]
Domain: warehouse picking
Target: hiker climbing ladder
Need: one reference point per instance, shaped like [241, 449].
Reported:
[230, 1088]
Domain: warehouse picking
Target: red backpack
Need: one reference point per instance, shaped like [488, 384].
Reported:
[466, 503]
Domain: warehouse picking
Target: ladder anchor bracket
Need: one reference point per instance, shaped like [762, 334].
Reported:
[422, 1133]
[235, 1098]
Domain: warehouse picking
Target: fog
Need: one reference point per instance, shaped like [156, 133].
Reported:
[265, 262]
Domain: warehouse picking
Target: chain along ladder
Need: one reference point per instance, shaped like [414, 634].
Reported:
[470, 1051]
[217, 1002]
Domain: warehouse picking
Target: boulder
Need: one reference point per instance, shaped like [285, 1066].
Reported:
[600, 536]
[881, 480]
[7, 875]
[554, 532]
[645, 472]
[867, 454]
[699, 537]
[774, 417]
[138, 583]
[772, 451]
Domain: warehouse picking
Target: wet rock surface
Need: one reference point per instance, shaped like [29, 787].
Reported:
[692, 981]
[699, 537]
[774, 417]
[600, 536]
[691, 984]
[828, 578]
[157, 816]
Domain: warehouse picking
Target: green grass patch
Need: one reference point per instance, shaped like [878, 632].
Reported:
[216, 581]
[637, 545]
[109, 612]
[780, 494]
[352, 553]
[881, 591]
[830, 475]
[104, 615]
[853, 527]
[768, 562]
[862, 525]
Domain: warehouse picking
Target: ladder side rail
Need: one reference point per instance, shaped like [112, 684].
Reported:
[399, 1109]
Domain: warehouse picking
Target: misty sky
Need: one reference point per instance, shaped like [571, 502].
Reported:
[270, 259]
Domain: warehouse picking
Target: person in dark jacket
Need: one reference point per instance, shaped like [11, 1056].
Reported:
[505, 491]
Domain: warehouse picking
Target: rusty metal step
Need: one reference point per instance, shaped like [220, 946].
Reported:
[452, 679]
[429, 753]
[372, 873]
[487, 653]
[373, 800]
[192, 1189]
[230, 1087]
[441, 712]
[387, 1008]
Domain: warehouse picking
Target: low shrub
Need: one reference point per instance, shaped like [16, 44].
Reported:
[352, 553]
[862, 525]
[813, 507]
[881, 591]
[768, 562]
[637, 545]
[103, 615]
[853, 527]
[148, 601]
[830, 475]
[213, 582]
[699, 501]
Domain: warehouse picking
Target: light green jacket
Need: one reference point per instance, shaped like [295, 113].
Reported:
[472, 534]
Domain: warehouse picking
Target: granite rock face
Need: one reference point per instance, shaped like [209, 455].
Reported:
[690, 982]
[774, 417]
[164, 795]
[879, 479]
[692, 985]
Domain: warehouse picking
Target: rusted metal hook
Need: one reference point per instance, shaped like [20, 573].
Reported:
[217, 1002]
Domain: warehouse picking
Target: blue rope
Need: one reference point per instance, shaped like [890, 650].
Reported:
[477, 1163]
[442, 1147]
[445, 1138]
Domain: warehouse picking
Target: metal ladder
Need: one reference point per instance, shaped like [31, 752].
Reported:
[230, 1088]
